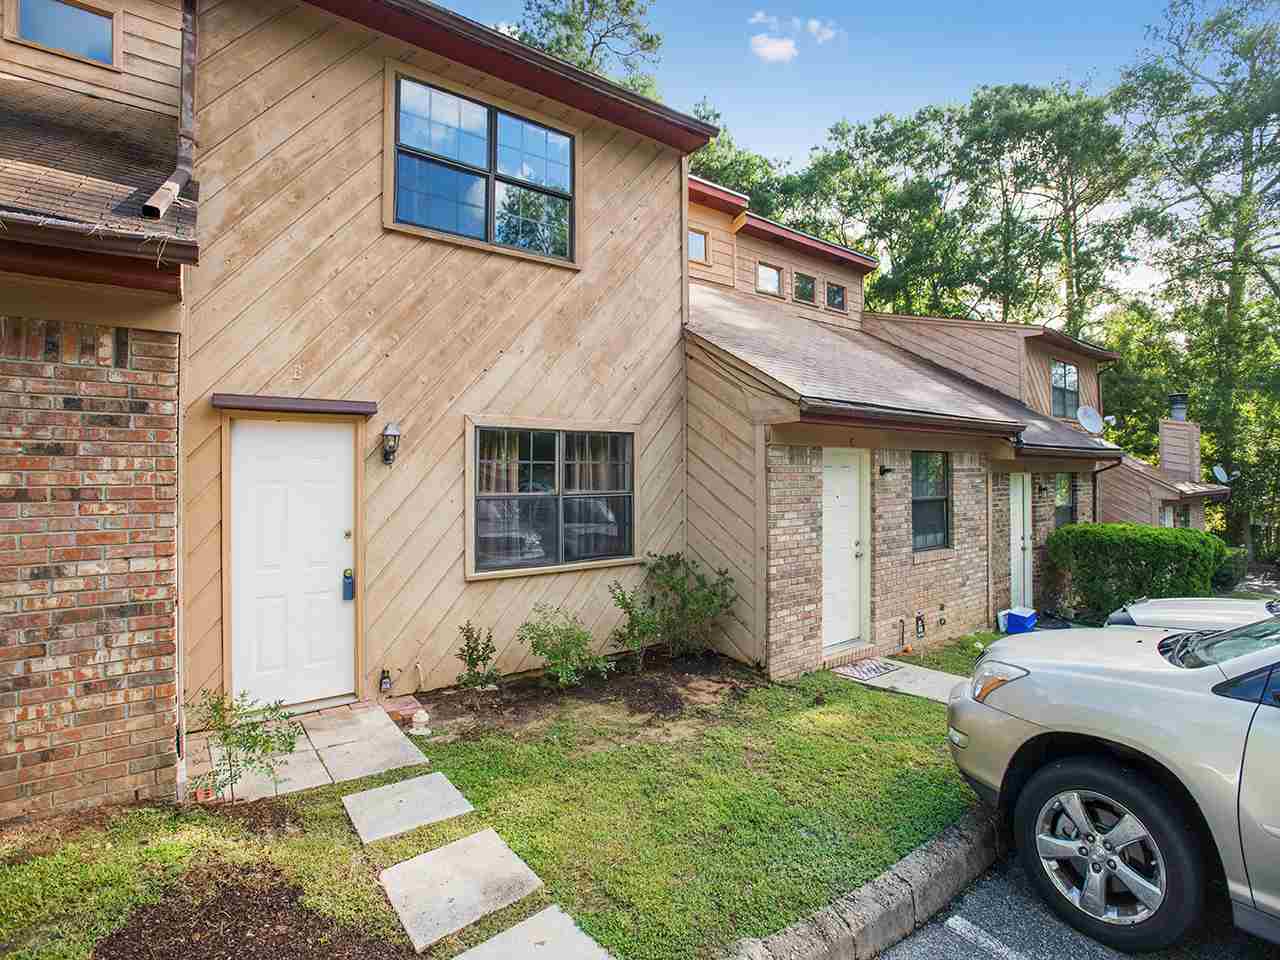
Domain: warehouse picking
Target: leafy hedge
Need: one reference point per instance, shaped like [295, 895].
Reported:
[1232, 569]
[1099, 567]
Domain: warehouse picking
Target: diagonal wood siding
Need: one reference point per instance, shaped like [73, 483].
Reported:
[302, 292]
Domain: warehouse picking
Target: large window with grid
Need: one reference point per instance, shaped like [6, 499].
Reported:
[472, 170]
[930, 500]
[551, 497]
[1066, 389]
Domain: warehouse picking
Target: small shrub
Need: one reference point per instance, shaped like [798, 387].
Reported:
[639, 628]
[686, 601]
[476, 654]
[564, 643]
[1231, 570]
[1099, 567]
[245, 736]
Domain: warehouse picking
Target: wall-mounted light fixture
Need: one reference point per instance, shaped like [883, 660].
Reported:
[885, 471]
[390, 442]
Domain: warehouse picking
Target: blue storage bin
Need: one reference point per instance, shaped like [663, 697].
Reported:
[1021, 620]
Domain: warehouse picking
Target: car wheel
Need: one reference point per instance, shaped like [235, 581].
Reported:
[1110, 853]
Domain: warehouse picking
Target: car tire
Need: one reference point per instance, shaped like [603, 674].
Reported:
[1167, 831]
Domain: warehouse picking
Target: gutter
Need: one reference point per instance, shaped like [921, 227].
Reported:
[96, 238]
[1093, 453]
[157, 205]
[885, 416]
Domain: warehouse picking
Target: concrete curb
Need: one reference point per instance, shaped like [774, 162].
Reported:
[880, 913]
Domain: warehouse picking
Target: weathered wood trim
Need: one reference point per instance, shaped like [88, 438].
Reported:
[56, 263]
[70, 301]
[293, 405]
[578, 241]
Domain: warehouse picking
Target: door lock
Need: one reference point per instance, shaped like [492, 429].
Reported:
[346, 534]
[348, 584]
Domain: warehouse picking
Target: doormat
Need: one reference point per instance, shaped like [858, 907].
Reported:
[868, 669]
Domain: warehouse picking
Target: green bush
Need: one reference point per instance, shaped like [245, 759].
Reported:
[1099, 567]
[687, 601]
[476, 654]
[564, 643]
[639, 628]
[1232, 569]
[251, 737]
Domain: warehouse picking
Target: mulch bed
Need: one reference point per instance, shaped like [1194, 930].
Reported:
[237, 913]
[664, 690]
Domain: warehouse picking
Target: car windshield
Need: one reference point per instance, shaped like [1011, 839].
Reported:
[1203, 651]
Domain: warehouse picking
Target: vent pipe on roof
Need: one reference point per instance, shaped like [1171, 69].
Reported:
[1178, 406]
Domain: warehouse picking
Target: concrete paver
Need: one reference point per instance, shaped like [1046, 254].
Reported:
[399, 807]
[548, 934]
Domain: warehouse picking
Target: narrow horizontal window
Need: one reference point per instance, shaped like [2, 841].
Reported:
[804, 288]
[64, 26]
[835, 296]
[548, 497]
[698, 246]
[769, 279]
[474, 171]
[930, 500]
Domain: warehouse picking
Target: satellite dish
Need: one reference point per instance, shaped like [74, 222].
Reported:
[1090, 419]
[1220, 474]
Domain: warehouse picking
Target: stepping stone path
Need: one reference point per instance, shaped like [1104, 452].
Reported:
[444, 890]
[902, 678]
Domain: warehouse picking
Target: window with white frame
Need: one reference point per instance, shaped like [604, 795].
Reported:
[551, 497]
[472, 170]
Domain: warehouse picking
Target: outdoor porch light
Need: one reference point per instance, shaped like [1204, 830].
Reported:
[885, 471]
[390, 442]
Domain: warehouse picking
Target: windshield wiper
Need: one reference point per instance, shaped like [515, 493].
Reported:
[1175, 648]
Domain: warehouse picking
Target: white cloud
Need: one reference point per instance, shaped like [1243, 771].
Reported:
[766, 18]
[774, 49]
[822, 32]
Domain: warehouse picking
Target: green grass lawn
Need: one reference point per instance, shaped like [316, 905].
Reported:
[663, 839]
[956, 656]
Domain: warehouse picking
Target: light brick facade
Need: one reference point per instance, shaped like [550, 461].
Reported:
[88, 447]
[794, 484]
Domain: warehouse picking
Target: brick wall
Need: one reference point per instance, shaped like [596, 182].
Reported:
[947, 584]
[88, 447]
[1001, 571]
[794, 485]
[1044, 522]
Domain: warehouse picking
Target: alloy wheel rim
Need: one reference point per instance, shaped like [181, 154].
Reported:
[1101, 857]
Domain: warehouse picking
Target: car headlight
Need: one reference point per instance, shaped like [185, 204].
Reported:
[990, 676]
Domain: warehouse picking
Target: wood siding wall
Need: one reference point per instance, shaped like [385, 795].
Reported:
[751, 251]
[726, 526]
[149, 74]
[991, 354]
[722, 248]
[301, 292]
[1125, 496]
[1039, 377]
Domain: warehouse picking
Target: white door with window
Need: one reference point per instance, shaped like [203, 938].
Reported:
[845, 551]
[293, 633]
[1021, 541]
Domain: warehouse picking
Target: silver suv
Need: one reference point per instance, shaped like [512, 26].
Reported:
[1131, 764]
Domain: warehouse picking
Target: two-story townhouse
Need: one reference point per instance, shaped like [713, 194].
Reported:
[417, 362]
[870, 480]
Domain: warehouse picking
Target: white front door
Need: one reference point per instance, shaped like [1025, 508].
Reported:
[292, 540]
[1021, 591]
[845, 552]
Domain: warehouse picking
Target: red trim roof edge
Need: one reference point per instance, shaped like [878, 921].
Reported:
[717, 197]
[766, 229]
[466, 41]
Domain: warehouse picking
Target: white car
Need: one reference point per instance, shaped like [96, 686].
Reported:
[1193, 613]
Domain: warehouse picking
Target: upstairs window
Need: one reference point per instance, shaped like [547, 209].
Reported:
[698, 246]
[930, 501]
[474, 171]
[1066, 390]
[836, 297]
[804, 288]
[545, 498]
[1064, 500]
[769, 279]
[80, 30]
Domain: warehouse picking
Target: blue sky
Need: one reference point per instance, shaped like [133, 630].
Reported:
[782, 73]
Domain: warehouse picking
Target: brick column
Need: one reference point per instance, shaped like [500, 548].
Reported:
[88, 448]
[794, 484]
[1001, 572]
[1044, 493]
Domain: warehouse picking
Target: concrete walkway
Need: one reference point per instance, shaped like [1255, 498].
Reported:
[903, 678]
[342, 743]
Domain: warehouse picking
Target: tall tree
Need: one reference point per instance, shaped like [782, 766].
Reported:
[611, 38]
[1205, 103]
[725, 162]
[1136, 388]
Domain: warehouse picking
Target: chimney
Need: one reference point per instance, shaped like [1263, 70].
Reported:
[1180, 442]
